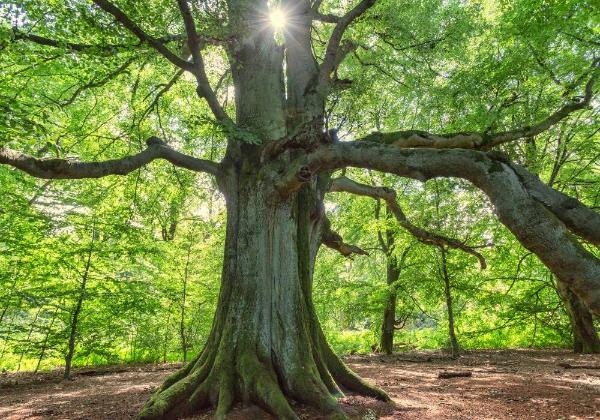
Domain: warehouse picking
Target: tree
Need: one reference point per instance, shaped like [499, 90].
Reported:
[74, 315]
[266, 345]
[585, 336]
[454, 346]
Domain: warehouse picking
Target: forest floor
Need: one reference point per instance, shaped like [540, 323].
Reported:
[519, 384]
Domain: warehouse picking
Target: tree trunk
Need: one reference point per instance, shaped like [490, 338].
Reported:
[389, 313]
[266, 345]
[78, 307]
[585, 336]
[31, 328]
[454, 346]
[182, 331]
[45, 342]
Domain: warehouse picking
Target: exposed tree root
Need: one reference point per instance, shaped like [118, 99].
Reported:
[220, 382]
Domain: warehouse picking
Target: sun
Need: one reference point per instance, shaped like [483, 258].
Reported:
[277, 18]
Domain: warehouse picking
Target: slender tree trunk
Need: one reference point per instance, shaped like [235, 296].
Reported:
[9, 295]
[45, 342]
[77, 309]
[388, 324]
[585, 336]
[454, 346]
[6, 338]
[28, 337]
[389, 313]
[167, 334]
[182, 332]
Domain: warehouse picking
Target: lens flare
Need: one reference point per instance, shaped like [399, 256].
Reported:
[277, 18]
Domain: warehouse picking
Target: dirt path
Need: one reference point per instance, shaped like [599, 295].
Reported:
[505, 384]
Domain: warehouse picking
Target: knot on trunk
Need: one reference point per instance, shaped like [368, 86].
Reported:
[304, 175]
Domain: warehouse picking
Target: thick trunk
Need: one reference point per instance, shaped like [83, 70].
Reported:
[585, 336]
[266, 345]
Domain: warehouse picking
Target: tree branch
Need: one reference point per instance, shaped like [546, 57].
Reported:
[79, 47]
[483, 141]
[580, 219]
[334, 53]
[124, 20]
[68, 169]
[334, 241]
[344, 184]
[204, 90]
[534, 224]
[166, 87]
[99, 83]
[328, 18]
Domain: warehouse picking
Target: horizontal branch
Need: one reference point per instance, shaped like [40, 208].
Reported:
[482, 141]
[344, 184]
[80, 47]
[334, 241]
[69, 169]
[537, 228]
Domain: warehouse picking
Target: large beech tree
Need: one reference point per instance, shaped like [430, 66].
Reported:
[266, 345]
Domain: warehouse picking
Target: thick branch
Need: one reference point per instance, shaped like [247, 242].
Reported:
[344, 184]
[68, 169]
[481, 141]
[334, 52]
[580, 219]
[532, 222]
[124, 20]
[334, 241]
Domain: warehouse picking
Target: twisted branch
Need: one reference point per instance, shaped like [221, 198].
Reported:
[344, 184]
[69, 169]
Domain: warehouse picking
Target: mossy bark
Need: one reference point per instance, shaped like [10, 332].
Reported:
[266, 346]
[585, 336]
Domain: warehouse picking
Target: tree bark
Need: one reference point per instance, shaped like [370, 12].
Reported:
[585, 336]
[454, 346]
[388, 326]
[45, 341]
[266, 345]
[78, 306]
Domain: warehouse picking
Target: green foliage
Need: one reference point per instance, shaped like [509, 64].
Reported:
[441, 66]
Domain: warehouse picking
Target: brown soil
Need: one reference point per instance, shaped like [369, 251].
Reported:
[520, 384]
